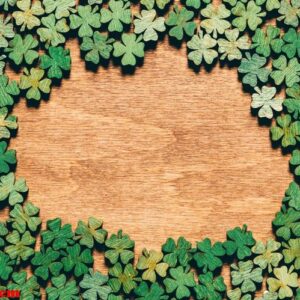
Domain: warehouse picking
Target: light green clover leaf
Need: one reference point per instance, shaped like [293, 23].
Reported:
[2, 63]
[196, 4]
[270, 4]
[149, 4]
[62, 8]
[291, 252]
[7, 123]
[237, 294]
[292, 196]
[6, 31]
[290, 12]
[7, 4]
[292, 103]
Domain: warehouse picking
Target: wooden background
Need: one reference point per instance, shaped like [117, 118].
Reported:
[166, 152]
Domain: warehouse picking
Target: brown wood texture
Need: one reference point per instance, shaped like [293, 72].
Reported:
[165, 152]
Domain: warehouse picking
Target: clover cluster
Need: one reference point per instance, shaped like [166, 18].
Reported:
[260, 37]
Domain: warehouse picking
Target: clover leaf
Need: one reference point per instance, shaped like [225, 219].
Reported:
[196, 4]
[268, 296]
[149, 24]
[290, 12]
[200, 47]
[144, 292]
[6, 31]
[236, 294]
[95, 286]
[86, 19]
[7, 158]
[292, 43]
[130, 48]
[292, 196]
[293, 103]
[295, 161]
[2, 63]
[3, 233]
[7, 123]
[6, 266]
[291, 252]
[149, 4]
[270, 4]
[286, 131]
[56, 61]
[117, 14]
[7, 4]
[12, 189]
[181, 21]
[62, 8]
[264, 100]
[8, 90]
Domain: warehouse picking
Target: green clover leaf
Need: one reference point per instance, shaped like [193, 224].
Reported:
[7, 4]
[7, 90]
[6, 31]
[7, 123]
[293, 103]
[236, 294]
[149, 4]
[7, 158]
[290, 12]
[6, 266]
[295, 161]
[144, 292]
[292, 196]
[2, 63]
[270, 4]
[62, 8]
[268, 296]
[291, 252]
[292, 43]
[196, 4]
[3, 234]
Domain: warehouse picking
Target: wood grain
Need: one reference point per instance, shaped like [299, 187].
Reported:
[166, 152]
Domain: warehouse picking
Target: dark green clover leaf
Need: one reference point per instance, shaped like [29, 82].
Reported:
[8, 90]
[7, 123]
[62, 289]
[149, 4]
[287, 71]
[6, 31]
[291, 252]
[119, 247]
[122, 279]
[253, 68]
[144, 292]
[3, 233]
[89, 233]
[23, 49]
[62, 8]
[180, 21]
[290, 12]
[117, 14]
[7, 158]
[239, 241]
[177, 254]
[201, 48]
[86, 20]
[287, 224]
[46, 263]
[12, 189]
[35, 84]
[130, 48]
[210, 288]
[57, 236]
[22, 246]
[26, 217]
[7, 4]
[95, 286]
[77, 260]
[56, 61]
[246, 276]
[292, 103]
[196, 4]
[209, 257]
[6, 266]
[292, 196]
[97, 48]
[270, 5]
[180, 283]
[286, 131]
[292, 43]
[295, 161]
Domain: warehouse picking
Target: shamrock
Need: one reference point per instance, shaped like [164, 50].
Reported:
[288, 71]
[62, 8]
[291, 252]
[292, 43]
[52, 32]
[196, 4]
[287, 223]
[57, 236]
[61, 289]
[7, 91]
[46, 263]
[7, 123]
[231, 46]
[181, 20]
[95, 286]
[177, 254]
[286, 131]
[131, 47]
[247, 16]
[118, 14]
[122, 279]
[88, 234]
[148, 24]
[144, 292]
[215, 19]
[292, 196]
[7, 4]
[3, 233]
[7, 158]
[149, 4]
[264, 41]
[264, 100]
[152, 263]
[98, 47]
[295, 161]
[239, 241]
[268, 296]
[208, 256]
[179, 282]
[25, 217]
[29, 13]
[236, 294]
[33, 82]
[2, 63]
[270, 4]
[23, 50]
[6, 31]
[56, 61]
[12, 189]
[290, 12]
[293, 103]
[284, 282]
[119, 248]
[21, 247]
[253, 67]
[86, 19]
[210, 288]
[201, 48]
[5, 266]
[267, 255]
[77, 260]
[245, 275]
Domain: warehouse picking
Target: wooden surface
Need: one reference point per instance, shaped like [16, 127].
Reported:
[166, 152]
